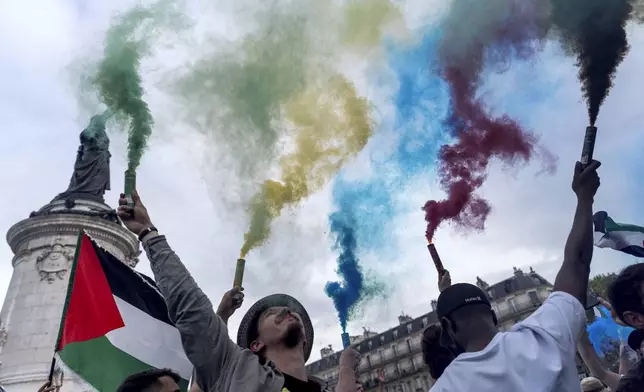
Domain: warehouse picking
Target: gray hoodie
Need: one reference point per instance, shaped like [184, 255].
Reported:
[220, 364]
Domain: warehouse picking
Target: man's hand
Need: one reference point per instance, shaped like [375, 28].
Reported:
[136, 218]
[585, 182]
[444, 281]
[350, 359]
[230, 302]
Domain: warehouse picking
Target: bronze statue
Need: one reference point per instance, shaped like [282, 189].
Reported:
[91, 176]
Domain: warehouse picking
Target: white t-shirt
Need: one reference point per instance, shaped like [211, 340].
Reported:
[536, 355]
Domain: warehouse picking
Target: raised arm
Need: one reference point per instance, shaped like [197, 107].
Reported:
[203, 333]
[595, 364]
[575, 270]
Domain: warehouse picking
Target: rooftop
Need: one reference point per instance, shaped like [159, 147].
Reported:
[517, 282]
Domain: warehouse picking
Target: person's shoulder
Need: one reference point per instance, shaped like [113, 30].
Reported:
[561, 297]
[252, 372]
[453, 377]
[561, 318]
[559, 306]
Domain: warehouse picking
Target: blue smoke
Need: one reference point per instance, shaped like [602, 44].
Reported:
[346, 294]
[604, 330]
[365, 208]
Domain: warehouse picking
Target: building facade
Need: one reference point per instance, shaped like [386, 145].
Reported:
[392, 361]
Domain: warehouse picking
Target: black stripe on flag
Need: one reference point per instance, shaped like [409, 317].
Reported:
[132, 287]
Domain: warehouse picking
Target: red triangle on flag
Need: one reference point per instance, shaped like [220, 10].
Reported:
[90, 310]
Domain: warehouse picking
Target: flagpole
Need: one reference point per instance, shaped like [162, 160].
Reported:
[70, 285]
[51, 370]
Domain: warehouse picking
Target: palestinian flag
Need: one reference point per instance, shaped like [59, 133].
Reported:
[115, 322]
[619, 236]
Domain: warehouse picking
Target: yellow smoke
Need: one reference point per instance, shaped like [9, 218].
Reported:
[365, 20]
[332, 125]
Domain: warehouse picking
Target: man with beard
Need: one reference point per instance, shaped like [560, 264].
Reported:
[537, 354]
[275, 338]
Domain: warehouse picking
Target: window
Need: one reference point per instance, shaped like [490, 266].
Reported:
[425, 321]
[512, 304]
[409, 327]
[370, 344]
[533, 296]
[382, 339]
[395, 333]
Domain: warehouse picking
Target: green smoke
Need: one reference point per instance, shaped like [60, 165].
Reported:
[235, 94]
[118, 78]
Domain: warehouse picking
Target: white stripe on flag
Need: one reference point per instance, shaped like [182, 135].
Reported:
[619, 239]
[149, 340]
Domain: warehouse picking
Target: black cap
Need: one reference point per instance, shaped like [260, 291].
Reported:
[458, 295]
[635, 340]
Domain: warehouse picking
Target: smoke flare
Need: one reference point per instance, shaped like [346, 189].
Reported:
[604, 329]
[332, 126]
[594, 30]
[479, 34]
[347, 293]
[118, 78]
[421, 103]
[355, 287]
[235, 95]
[365, 20]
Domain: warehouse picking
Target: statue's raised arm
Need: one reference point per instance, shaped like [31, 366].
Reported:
[91, 177]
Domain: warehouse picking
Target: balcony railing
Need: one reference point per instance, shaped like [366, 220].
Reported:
[378, 361]
[391, 377]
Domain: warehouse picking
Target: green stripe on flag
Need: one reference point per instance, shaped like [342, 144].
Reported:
[611, 225]
[102, 365]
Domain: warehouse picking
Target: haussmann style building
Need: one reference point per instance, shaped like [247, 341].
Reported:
[392, 361]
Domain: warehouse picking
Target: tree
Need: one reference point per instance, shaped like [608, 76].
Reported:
[599, 284]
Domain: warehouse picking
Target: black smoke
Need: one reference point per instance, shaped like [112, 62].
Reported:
[594, 31]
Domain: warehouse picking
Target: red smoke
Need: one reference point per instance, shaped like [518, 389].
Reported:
[462, 166]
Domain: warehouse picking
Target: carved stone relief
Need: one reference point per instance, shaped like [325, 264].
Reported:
[4, 332]
[54, 262]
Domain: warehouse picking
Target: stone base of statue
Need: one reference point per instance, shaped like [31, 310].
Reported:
[44, 247]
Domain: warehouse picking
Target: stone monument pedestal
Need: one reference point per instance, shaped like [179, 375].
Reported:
[44, 247]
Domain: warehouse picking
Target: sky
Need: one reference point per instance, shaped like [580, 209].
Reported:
[193, 196]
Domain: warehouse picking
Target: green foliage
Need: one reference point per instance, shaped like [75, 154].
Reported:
[599, 283]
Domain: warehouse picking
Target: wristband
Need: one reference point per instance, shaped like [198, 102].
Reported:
[146, 231]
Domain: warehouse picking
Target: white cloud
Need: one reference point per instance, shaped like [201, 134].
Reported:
[181, 182]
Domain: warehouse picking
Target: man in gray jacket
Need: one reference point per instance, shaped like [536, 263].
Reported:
[275, 338]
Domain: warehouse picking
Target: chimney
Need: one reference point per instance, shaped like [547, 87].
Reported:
[434, 304]
[326, 351]
[517, 271]
[403, 318]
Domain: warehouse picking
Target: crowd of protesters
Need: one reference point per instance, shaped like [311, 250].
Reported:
[465, 351]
